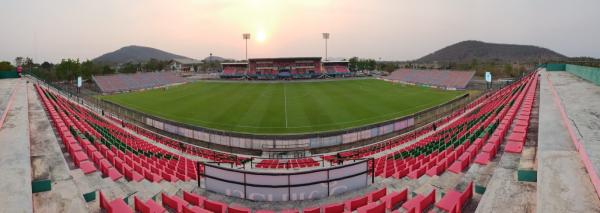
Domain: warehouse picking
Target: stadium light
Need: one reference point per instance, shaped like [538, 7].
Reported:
[326, 37]
[246, 36]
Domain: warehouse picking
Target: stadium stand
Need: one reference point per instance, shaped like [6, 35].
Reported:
[439, 78]
[135, 81]
[470, 135]
[187, 148]
[456, 146]
[93, 143]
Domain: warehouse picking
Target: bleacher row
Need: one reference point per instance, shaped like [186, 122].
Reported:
[93, 143]
[456, 146]
[371, 149]
[287, 164]
[336, 69]
[187, 148]
[135, 81]
[440, 78]
[233, 71]
[377, 201]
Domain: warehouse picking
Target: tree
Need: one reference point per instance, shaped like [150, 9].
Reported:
[47, 66]
[129, 68]
[353, 64]
[508, 70]
[6, 66]
[68, 69]
[154, 65]
[88, 68]
[370, 64]
[18, 61]
[107, 70]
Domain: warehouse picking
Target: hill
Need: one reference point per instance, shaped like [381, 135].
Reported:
[135, 54]
[466, 51]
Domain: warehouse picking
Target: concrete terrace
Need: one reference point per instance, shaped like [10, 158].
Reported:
[15, 165]
[563, 183]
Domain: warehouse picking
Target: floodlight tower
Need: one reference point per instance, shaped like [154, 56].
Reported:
[326, 37]
[246, 36]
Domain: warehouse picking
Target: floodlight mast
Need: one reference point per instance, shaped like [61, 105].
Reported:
[246, 36]
[326, 37]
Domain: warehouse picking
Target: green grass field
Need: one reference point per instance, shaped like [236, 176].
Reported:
[286, 107]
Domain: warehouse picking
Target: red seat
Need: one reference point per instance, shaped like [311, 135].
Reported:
[115, 206]
[264, 211]
[458, 166]
[376, 195]
[453, 201]
[513, 147]
[114, 174]
[238, 210]
[87, 167]
[193, 199]
[195, 209]
[147, 207]
[334, 208]
[132, 175]
[483, 158]
[312, 210]
[173, 202]
[214, 206]
[118, 206]
[373, 208]
[395, 198]
[78, 157]
[356, 203]
[419, 202]
[516, 137]
[435, 170]
[520, 129]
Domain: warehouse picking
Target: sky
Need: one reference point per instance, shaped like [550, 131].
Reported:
[380, 29]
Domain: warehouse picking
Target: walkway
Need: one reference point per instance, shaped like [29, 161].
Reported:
[15, 163]
[563, 183]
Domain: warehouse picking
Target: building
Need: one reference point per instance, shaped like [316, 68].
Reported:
[185, 64]
[284, 68]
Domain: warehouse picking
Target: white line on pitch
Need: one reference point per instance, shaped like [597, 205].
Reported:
[285, 105]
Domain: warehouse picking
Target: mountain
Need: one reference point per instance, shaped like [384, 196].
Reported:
[135, 54]
[466, 51]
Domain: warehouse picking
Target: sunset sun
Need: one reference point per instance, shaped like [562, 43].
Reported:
[261, 36]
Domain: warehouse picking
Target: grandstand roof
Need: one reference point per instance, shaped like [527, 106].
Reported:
[335, 62]
[286, 58]
[235, 63]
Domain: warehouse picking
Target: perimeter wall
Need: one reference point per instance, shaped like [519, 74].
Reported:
[589, 73]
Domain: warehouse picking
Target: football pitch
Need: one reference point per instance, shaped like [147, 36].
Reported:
[284, 107]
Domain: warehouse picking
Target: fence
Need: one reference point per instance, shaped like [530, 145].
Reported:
[282, 142]
[304, 185]
[555, 67]
[8, 74]
[589, 73]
